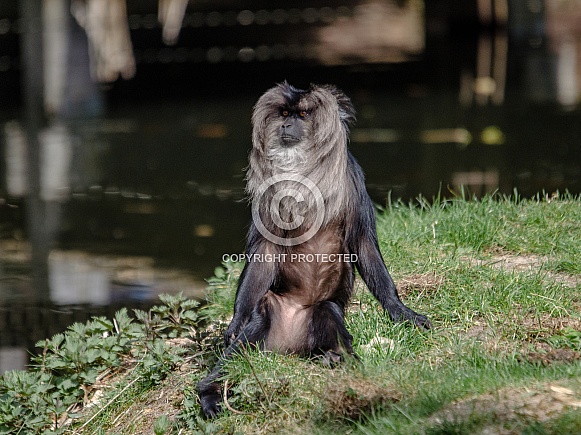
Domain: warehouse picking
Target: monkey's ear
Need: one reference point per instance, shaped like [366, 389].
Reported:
[347, 112]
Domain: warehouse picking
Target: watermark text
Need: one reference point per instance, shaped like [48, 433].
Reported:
[292, 258]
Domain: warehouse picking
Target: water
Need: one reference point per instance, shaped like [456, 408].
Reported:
[146, 179]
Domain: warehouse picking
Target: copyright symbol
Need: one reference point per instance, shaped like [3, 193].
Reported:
[287, 190]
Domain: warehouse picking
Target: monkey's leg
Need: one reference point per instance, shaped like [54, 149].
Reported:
[255, 280]
[328, 335]
[209, 389]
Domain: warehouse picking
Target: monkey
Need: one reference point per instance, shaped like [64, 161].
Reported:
[309, 203]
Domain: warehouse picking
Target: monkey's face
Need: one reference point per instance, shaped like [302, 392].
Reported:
[294, 125]
[296, 129]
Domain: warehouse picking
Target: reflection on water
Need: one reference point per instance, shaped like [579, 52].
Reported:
[140, 186]
[12, 358]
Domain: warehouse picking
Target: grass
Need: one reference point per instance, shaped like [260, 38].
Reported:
[500, 279]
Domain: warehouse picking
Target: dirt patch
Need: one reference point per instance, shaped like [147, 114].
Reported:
[425, 283]
[510, 405]
[526, 263]
[550, 356]
[546, 326]
[480, 330]
[354, 398]
[533, 332]
[142, 414]
[490, 337]
[519, 263]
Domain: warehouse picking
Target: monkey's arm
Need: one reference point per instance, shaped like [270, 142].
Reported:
[373, 271]
[255, 280]
[362, 240]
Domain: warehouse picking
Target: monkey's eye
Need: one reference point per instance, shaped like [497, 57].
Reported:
[284, 113]
[303, 114]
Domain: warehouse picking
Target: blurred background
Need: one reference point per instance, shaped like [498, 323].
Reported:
[125, 128]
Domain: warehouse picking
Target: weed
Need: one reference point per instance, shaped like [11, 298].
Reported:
[569, 337]
[161, 425]
[221, 290]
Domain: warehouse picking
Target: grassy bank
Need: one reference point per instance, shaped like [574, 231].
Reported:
[500, 278]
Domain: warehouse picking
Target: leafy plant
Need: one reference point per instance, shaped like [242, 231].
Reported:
[221, 290]
[40, 400]
[160, 360]
[30, 402]
[75, 358]
[177, 317]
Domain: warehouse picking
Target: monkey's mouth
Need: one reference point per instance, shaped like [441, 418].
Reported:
[288, 139]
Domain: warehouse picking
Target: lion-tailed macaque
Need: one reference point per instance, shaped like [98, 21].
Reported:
[313, 224]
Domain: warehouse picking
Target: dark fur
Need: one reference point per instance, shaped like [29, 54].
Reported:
[298, 307]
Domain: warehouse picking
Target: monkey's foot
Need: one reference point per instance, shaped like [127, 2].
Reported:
[331, 358]
[210, 397]
[230, 334]
[211, 404]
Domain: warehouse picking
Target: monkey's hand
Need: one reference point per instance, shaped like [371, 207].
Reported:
[403, 314]
[233, 330]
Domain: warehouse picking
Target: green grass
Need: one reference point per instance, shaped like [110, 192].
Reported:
[499, 277]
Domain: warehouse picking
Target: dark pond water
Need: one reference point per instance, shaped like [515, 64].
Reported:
[147, 174]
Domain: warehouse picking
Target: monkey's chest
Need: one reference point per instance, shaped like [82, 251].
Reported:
[314, 271]
[307, 281]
